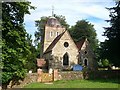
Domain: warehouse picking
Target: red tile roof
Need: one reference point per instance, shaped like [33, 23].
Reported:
[79, 44]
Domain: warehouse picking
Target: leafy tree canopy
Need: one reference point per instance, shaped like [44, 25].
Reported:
[110, 48]
[15, 47]
[31, 63]
[84, 29]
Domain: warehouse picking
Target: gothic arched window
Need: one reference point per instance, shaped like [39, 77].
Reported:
[85, 62]
[85, 52]
[57, 33]
[66, 59]
[51, 34]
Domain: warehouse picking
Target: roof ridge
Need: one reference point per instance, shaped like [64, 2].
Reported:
[80, 43]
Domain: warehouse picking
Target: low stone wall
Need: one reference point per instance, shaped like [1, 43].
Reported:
[71, 75]
[30, 78]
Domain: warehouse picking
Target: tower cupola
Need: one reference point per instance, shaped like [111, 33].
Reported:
[53, 22]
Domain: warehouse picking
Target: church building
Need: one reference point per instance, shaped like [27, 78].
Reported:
[61, 52]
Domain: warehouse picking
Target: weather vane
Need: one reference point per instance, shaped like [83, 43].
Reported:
[52, 10]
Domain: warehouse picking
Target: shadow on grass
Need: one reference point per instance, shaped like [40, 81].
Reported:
[110, 76]
[105, 80]
[91, 80]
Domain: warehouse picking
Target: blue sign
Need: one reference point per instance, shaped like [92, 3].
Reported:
[77, 67]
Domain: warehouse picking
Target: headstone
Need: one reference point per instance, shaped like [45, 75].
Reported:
[116, 68]
[30, 71]
[50, 71]
[55, 74]
[39, 71]
[113, 67]
[77, 67]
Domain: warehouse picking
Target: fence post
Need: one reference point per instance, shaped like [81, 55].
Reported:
[55, 74]
[39, 71]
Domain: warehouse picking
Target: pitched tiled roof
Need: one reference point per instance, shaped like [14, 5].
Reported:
[79, 44]
[54, 42]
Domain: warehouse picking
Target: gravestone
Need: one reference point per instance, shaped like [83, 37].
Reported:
[50, 71]
[39, 71]
[77, 67]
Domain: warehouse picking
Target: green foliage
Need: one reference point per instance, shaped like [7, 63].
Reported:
[15, 47]
[31, 60]
[62, 20]
[104, 63]
[40, 24]
[84, 29]
[110, 47]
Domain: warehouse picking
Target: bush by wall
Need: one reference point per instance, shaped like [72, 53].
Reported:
[30, 78]
[102, 74]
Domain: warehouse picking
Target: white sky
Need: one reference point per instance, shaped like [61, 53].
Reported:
[92, 10]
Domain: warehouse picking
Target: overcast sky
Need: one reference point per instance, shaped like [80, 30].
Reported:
[92, 10]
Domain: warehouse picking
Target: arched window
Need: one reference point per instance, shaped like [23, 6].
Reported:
[85, 52]
[51, 34]
[57, 33]
[85, 62]
[66, 59]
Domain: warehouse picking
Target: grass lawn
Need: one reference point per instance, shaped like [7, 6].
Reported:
[77, 84]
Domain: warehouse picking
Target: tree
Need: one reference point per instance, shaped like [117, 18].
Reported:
[31, 59]
[110, 47]
[1, 64]
[62, 21]
[15, 47]
[104, 63]
[84, 29]
[40, 24]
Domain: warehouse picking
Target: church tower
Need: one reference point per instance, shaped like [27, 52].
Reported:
[53, 28]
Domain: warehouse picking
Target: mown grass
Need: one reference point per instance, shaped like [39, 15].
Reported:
[77, 84]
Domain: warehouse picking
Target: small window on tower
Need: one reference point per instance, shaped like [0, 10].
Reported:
[51, 34]
[85, 52]
[57, 33]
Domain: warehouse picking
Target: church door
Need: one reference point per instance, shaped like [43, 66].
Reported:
[65, 59]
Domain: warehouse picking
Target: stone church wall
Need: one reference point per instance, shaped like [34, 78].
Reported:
[87, 53]
[48, 38]
[59, 50]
